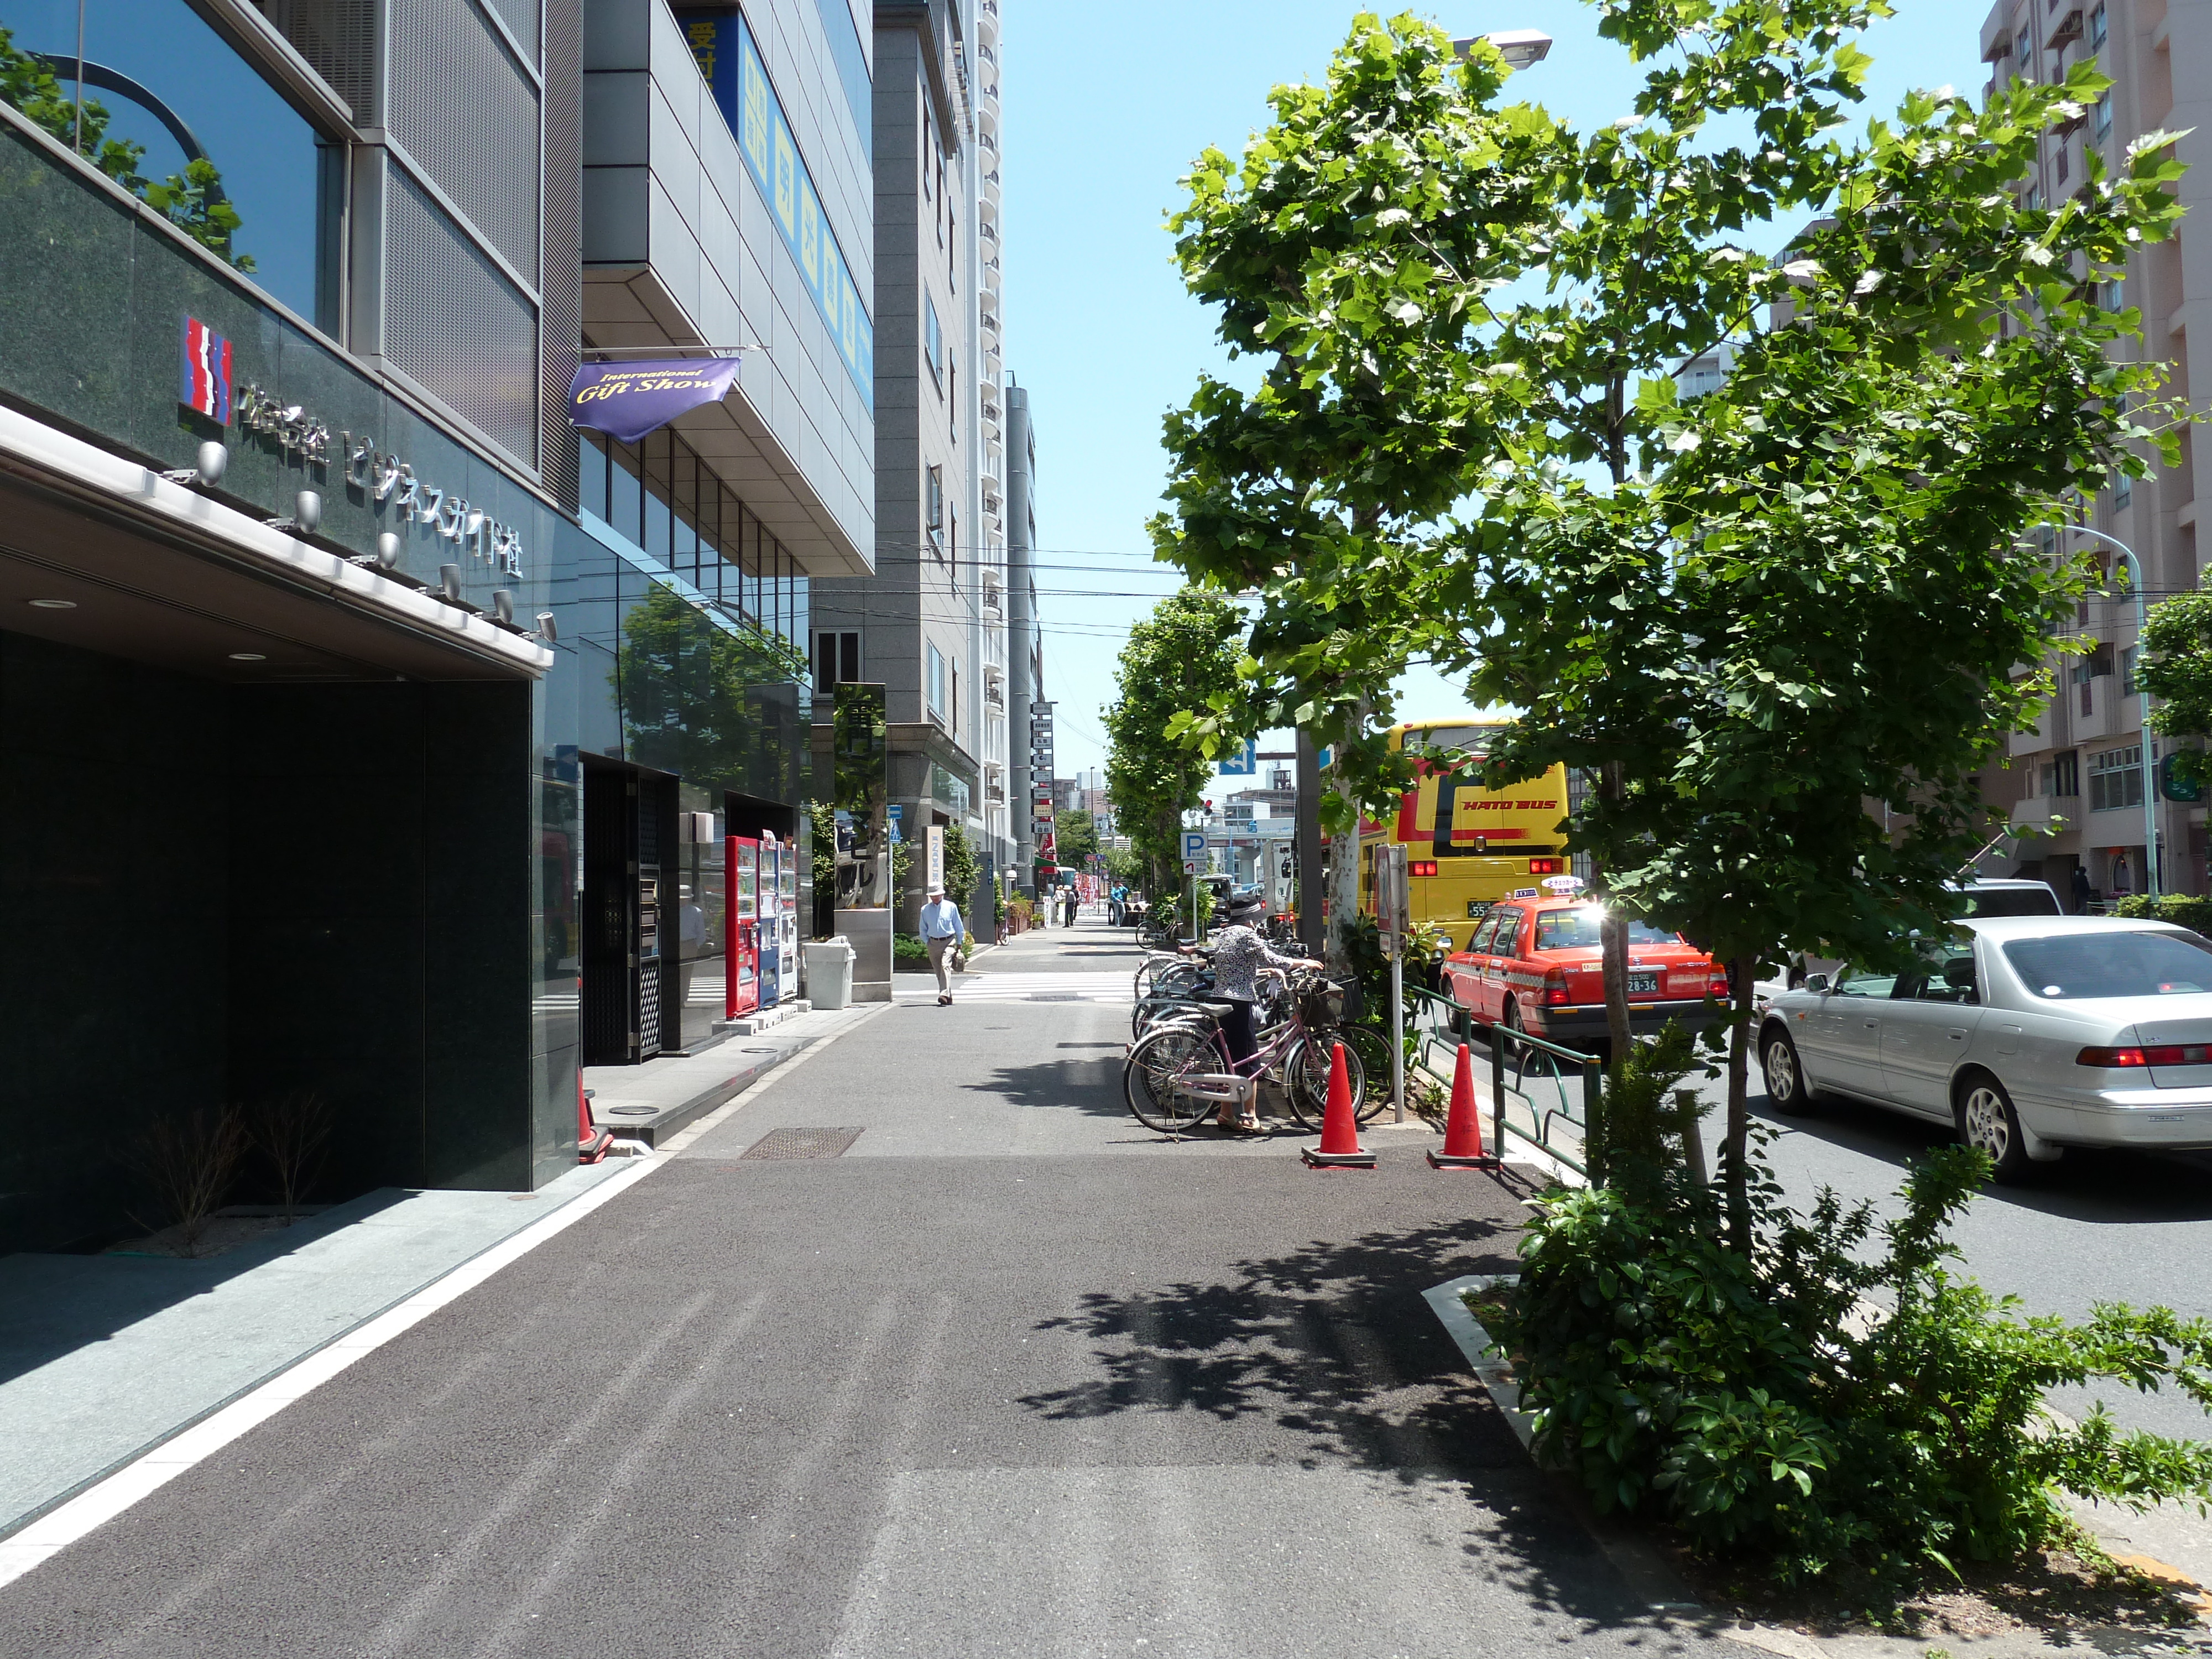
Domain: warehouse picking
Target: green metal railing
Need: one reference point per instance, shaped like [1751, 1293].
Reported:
[1540, 1091]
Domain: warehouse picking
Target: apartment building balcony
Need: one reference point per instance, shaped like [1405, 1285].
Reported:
[2064, 25]
[986, 22]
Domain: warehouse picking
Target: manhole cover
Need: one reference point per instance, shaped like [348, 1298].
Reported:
[631, 1111]
[786, 1144]
[1055, 996]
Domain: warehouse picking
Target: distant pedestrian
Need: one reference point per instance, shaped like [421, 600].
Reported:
[2081, 889]
[942, 930]
[1117, 905]
[1068, 902]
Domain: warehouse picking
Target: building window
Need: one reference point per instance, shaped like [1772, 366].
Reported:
[2123, 488]
[2116, 779]
[2097, 26]
[928, 144]
[194, 100]
[2062, 774]
[952, 399]
[836, 659]
[2065, 163]
[2128, 672]
[2021, 48]
[2103, 123]
[934, 504]
[956, 697]
[936, 682]
[932, 339]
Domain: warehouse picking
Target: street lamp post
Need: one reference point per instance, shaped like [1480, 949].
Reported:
[2149, 773]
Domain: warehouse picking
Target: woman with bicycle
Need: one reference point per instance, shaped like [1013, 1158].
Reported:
[1238, 956]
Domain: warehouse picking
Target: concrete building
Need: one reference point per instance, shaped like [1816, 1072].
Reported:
[2084, 762]
[915, 625]
[1029, 713]
[324, 638]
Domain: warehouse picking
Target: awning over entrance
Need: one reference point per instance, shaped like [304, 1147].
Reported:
[128, 563]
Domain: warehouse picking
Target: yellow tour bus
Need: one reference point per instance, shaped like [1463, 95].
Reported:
[1467, 847]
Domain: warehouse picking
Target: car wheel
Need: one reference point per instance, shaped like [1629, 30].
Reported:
[1988, 1123]
[1785, 1076]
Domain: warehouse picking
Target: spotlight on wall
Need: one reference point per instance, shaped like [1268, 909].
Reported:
[306, 514]
[548, 630]
[387, 549]
[449, 581]
[214, 461]
[502, 606]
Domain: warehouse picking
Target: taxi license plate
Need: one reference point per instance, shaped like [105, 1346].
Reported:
[1643, 985]
[1478, 908]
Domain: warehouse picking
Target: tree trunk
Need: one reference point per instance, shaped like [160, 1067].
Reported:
[1344, 869]
[1736, 1148]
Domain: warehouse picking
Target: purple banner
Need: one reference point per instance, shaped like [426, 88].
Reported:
[627, 400]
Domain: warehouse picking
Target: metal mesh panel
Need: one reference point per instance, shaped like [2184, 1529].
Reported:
[521, 17]
[456, 325]
[338, 39]
[562, 294]
[467, 115]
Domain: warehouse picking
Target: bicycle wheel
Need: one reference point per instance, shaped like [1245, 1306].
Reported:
[1148, 1077]
[1373, 1049]
[1305, 1079]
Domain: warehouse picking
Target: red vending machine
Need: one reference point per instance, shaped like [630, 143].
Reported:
[742, 892]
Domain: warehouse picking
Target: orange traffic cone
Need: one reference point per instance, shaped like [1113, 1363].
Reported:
[592, 1143]
[1339, 1147]
[1463, 1128]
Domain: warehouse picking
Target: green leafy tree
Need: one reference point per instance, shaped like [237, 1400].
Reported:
[1180, 658]
[1742, 616]
[1351, 249]
[192, 201]
[964, 870]
[1079, 837]
[2175, 666]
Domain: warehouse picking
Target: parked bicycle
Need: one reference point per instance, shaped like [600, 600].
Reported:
[1179, 1073]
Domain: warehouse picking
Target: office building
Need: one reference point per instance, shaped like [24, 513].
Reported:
[2083, 762]
[370, 738]
[1028, 711]
[915, 625]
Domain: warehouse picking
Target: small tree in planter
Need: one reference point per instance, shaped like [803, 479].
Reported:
[188, 1163]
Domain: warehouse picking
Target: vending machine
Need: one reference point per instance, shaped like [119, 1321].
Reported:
[771, 927]
[744, 944]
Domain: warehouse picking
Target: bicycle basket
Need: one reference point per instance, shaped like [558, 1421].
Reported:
[1320, 1001]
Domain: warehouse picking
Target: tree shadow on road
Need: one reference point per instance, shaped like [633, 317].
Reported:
[1335, 1344]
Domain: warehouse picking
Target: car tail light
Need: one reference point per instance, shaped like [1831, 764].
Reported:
[2190, 1054]
[1421, 867]
[1555, 988]
[1716, 983]
[2113, 1059]
[1547, 867]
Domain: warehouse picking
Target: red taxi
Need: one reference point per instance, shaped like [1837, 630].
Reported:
[1535, 963]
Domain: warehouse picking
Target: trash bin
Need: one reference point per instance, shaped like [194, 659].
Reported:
[830, 972]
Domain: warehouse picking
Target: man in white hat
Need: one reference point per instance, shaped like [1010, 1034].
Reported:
[942, 930]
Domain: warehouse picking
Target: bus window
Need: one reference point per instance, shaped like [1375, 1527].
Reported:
[1474, 738]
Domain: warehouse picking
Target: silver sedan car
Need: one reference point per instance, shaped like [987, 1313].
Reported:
[2025, 1034]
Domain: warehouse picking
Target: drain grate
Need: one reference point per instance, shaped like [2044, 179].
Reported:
[789, 1144]
[1055, 996]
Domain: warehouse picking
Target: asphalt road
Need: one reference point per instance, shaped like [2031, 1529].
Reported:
[1010, 1377]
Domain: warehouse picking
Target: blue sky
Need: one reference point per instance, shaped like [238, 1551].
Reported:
[1104, 110]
